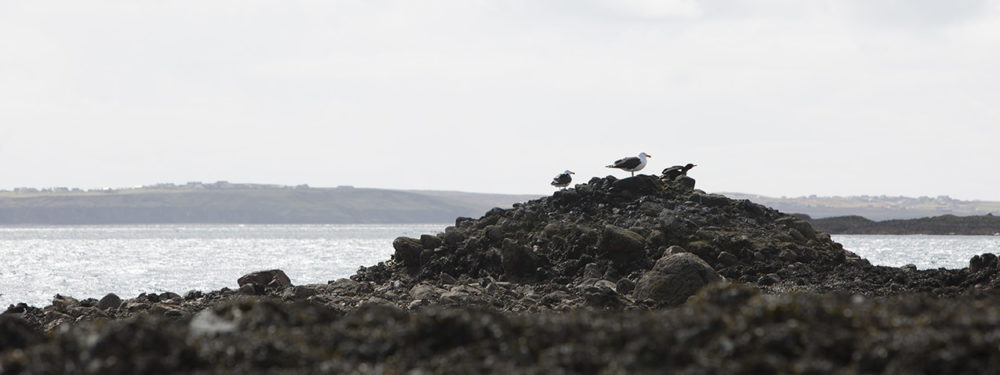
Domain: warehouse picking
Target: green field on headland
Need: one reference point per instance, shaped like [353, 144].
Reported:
[242, 203]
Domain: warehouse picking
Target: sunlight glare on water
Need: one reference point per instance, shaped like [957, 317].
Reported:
[923, 251]
[90, 261]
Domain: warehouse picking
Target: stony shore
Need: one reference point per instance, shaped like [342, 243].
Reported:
[637, 275]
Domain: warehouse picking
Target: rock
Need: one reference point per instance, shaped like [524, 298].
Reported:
[407, 251]
[251, 289]
[447, 278]
[518, 261]
[167, 296]
[110, 301]
[975, 263]
[769, 279]
[193, 295]
[625, 286]
[270, 279]
[299, 292]
[989, 261]
[621, 245]
[685, 183]
[675, 249]
[674, 278]
[64, 303]
[801, 226]
[494, 232]
[727, 258]
[711, 200]
[429, 241]
[909, 268]
[636, 185]
[453, 236]
[16, 333]
[426, 292]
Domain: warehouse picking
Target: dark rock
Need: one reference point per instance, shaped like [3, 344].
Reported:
[975, 264]
[64, 303]
[193, 295]
[675, 250]
[621, 245]
[110, 301]
[637, 185]
[453, 236]
[494, 233]
[674, 278]
[16, 333]
[518, 261]
[299, 292]
[407, 251]
[430, 241]
[909, 268]
[989, 261]
[166, 296]
[685, 183]
[710, 200]
[769, 279]
[728, 258]
[625, 286]
[271, 279]
[251, 289]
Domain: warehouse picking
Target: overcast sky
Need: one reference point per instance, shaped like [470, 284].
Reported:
[777, 97]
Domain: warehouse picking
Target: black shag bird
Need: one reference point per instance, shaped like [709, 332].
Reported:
[563, 179]
[672, 173]
[632, 163]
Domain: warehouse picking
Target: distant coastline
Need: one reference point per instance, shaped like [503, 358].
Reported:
[229, 203]
[939, 225]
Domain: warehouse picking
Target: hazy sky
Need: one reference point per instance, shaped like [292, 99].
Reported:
[778, 97]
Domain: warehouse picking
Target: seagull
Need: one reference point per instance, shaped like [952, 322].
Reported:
[632, 163]
[563, 179]
[676, 171]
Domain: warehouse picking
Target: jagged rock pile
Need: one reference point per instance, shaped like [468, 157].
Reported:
[613, 231]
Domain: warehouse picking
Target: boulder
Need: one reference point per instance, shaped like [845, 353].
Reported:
[674, 278]
[685, 183]
[518, 261]
[275, 279]
[407, 251]
[110, 301]
[621, 245]
[64, 303]
[637, 185]
[769, 279]
[429, 241]
[16, 333]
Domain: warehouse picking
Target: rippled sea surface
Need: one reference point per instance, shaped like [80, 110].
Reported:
[91, 261]
[924, 251]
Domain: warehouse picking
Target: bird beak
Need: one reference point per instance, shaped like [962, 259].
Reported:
[572, 172]
[649, 156]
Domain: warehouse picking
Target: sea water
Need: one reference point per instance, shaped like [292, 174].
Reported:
[923, 251]
[90, 261]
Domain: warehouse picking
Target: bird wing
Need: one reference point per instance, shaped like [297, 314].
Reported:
[672, 169]
[627, 163]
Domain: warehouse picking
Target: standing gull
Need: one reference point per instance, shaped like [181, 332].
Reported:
[631, 163]
[672, 173]
[563, 179]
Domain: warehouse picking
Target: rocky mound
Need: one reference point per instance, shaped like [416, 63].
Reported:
[613, 231]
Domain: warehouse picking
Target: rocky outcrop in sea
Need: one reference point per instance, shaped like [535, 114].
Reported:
[629, 275]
